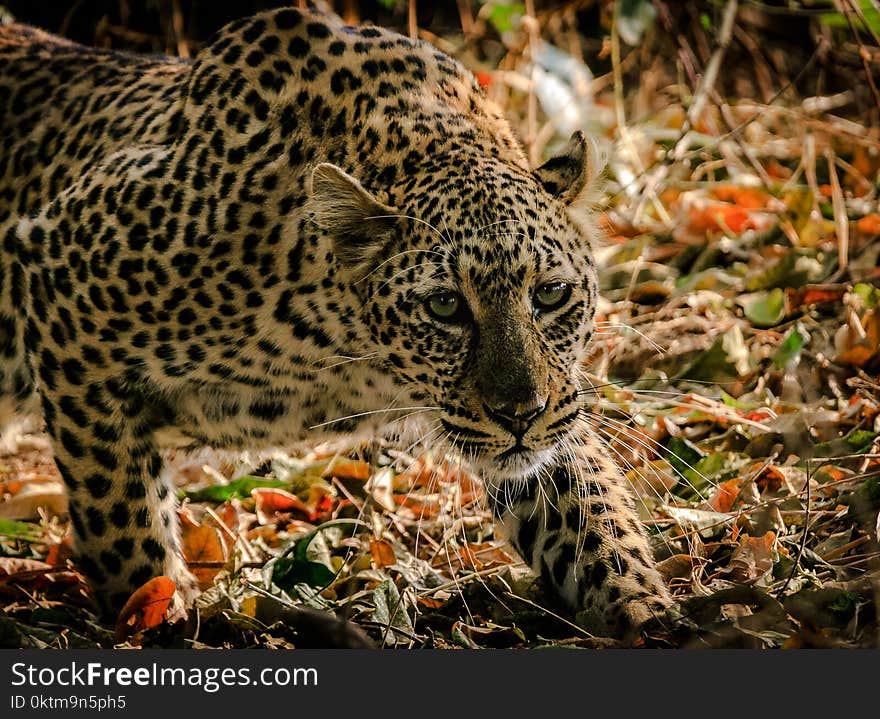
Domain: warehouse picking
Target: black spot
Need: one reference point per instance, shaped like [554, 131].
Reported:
[153, 549]
[91, 569]
[105, 456]
[253, 33]
[66, 475]
[124, 546]
[135, 489]
[298, 47]
[619, 564]
[528, 531]
[97, 523]
[111, 561]
[98, 485]
[553, 521]
[596, 574]
[254, 58]
[141, 575]
[267, 409]
[574, 518]
[73, 370]
[592, 541]
[287, 19]
[318, 30]
[119, 515]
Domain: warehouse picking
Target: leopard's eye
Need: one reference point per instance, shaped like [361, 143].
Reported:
[551, 296]
[447, 307]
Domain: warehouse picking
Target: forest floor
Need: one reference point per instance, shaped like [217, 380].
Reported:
[734, 378]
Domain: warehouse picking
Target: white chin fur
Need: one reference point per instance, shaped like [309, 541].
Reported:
[516, 468]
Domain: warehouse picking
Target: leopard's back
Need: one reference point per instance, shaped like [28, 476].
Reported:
[64, 107]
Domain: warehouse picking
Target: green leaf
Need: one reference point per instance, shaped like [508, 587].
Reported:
[683, 454]
[391, 611]
[299, 567]
[22, 531]
[725, 361]
[840, 20]
[789, 350]
[782, 273]
[767, 308]
[503, 16]
[240, 488]
[858, 441]
[711, 470]
[287, 572]
[845, 604]
[731, 401]
[388, 4]
[869, 294]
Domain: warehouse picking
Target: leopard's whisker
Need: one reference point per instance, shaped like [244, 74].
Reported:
[395, 256]
[401, 216]
[373, 412]
[618, 326]
[345, 360]
[647, 443]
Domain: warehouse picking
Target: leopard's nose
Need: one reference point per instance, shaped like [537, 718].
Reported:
[517, 417]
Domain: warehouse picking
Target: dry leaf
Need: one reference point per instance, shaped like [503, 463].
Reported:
[50, 496]
[10, 566]
[753, 558]
[343, 468]
[725, 495]
[203, 544]
[382, 553]
[272, 502]
[146, 608]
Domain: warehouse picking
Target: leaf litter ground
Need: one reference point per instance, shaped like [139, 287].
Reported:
[733, 377]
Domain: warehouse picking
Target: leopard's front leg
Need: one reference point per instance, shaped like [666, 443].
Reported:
[577, 528]
[124, 516]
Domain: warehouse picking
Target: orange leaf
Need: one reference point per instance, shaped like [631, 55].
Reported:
[812, 295]
[753, 557]
[748, 198]
[270, 502]
[146, 608]
[343, 468]
[59, 553]
[203, 544]
[777, 171]
[383, 553]
[422, 507]
[718, 217]
[430, 602]
[489, 554]
[869, 225]
[725, 495]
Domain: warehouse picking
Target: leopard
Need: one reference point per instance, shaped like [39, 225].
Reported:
[308, 231]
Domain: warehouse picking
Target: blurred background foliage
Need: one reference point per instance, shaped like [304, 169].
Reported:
[838, 40]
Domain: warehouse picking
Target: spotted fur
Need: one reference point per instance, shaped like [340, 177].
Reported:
[261, 247]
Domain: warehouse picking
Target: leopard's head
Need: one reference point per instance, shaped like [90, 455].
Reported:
[478, 290]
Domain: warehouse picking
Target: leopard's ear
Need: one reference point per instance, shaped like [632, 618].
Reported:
[571, 173]
[357, 222]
